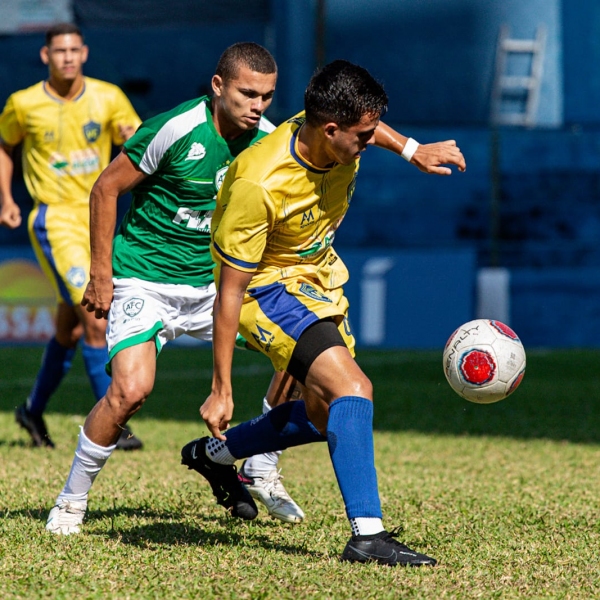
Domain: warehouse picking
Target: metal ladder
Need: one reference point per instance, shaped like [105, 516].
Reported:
[515, 98]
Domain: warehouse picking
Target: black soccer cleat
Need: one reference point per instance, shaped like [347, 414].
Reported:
[382, 548]
[223, 479]
[128, 441]
[35, 426]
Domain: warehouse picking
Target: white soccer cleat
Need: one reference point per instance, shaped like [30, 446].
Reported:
[269, 490]
[66, 517]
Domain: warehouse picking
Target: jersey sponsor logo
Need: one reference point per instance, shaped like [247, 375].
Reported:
[297, 120]
[194, 219]
[318, 245]
[84, 161]
[76, 276]
[48, 136]
[307, 218]
[91, 131]
[312, 292]
[133, 306]
[197, 152]
[58, 163]
[220, 176]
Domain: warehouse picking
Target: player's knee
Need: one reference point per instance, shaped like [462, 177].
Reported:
[68, 336]
[127, 395]
[362, 387]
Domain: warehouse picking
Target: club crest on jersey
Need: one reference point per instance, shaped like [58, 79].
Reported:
[91, 131]
[311, 292]
[133, 306]
[197, 152]
[76, 276]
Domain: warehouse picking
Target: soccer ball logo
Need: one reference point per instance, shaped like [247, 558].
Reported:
[484, 361]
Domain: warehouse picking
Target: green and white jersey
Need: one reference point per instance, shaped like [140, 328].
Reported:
[165, 235]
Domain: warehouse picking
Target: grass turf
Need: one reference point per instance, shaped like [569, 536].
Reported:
[505, 495]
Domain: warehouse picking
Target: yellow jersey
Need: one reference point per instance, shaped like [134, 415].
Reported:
[66, 143]
[277, 214]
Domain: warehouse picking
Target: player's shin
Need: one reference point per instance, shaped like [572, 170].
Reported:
[87, 463]
[262, 463]
[282, 427]
[350, 441]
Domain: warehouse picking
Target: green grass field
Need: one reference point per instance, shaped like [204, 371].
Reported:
[505, 496]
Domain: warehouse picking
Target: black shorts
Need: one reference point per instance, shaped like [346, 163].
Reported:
[315, 339]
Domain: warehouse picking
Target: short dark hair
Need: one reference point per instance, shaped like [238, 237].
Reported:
[62, 29]
[245, 54]
[343, 93]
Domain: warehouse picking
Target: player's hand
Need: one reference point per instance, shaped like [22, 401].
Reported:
[10, 214]
[98, 296]
[429, 158]
[217, 412]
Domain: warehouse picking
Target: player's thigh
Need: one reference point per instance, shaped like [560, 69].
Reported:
[94, 329]
[133, 371]
[334, 373]
[135, 317]
[68, 325]
[61, 242]
[283, 388]
[196, 318]
[274, 316]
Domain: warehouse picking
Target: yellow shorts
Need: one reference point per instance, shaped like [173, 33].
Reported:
[274, 316]
[60, 236]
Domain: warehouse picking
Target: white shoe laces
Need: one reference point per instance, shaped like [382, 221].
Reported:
[272, 484]
[68, 515]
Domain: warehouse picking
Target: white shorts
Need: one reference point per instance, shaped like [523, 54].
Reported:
[142, 311]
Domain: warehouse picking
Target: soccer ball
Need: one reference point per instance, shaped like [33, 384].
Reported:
[484, 361]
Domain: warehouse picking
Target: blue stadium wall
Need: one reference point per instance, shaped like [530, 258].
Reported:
[529, 199]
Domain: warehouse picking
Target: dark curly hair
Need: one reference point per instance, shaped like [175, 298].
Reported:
[343, 93]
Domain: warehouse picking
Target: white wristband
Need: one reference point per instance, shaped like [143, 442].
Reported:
[409, 149]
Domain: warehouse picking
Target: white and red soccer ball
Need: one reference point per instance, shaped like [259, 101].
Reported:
[484, 361]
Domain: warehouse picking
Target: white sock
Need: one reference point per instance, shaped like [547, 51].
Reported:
[366, 525]
[88, 461]
[218, 452]
[262, 463]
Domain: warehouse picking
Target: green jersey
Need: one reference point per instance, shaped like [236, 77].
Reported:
[165, 235]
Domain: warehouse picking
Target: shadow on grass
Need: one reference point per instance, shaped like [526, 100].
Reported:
[17, 444]
[170, 528]
[557, 400]
[177, 534]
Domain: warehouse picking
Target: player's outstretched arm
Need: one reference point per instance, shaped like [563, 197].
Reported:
[119, 177]
[10, 213]
[217, 410]
[429, 158]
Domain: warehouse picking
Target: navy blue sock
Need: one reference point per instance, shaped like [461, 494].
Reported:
[350, 440]
[282, 427]
[95, 360]
[56, 363]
